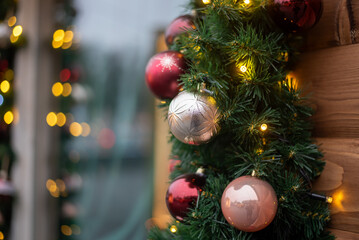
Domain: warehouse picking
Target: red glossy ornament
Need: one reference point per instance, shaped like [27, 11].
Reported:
[249, 204]
[178, 26]
[162, 73]
[296, 15]
[182, 194]
[173, 163]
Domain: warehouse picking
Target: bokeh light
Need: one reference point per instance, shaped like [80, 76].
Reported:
[13, 39]
[66, 230]
[8, 117]
[206, 1]
[67, 89]
[65, 74]
[69, 35]
[57, 89]
[1, 236]
[51, 119]
[12, 21]
[75, 129]
[66, 45]
[76, 229]
[86, 129]
[264, 127]
[106, 138]
[59, 35]
[57, 44]
[17, 31]
[1, 99]
[5, 86]
[61, 119]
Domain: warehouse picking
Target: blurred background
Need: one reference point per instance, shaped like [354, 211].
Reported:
[82, 145]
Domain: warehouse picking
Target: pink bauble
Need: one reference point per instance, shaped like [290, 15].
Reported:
[178, 26]
[249, 204]
[163, 72]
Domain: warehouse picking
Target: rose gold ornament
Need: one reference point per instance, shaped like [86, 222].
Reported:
[249, 204]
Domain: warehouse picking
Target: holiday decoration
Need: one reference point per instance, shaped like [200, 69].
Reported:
[180, 25]
[183, 193]
[163, 72]
[296, 15]
[249, 204]
[193, 118]
[237, 56]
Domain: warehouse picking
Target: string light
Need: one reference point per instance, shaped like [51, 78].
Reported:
[206, 1]
[264, 127]
[13, 39]
[5, 86]
[57, 44]
[66, 230]
[1, 236]
[17, 31]
[247, 1]
[86, 129]
[329, 200]
[59, 35]
[12, 21]
[8, 117]
[243, 69]
[69, 35]
[173, 229]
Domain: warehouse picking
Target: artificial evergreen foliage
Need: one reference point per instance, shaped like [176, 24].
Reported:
[230, 34]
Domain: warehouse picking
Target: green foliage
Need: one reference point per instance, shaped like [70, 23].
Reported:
[230, 34]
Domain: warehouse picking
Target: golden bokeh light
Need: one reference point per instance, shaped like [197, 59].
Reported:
[1, 236]
[12, 21]
[51, 185]
[57, 44]
[61, 119]
[86, 129]
[8, 117]
[17, 31]
[247, 1]
[59, 35]
[9, 74]
[75, 129]
[69, 35]
[51, 119]
[5, 86]
[264, 127]
[173, 229]
[206, 1]
[61, 185]
[57, 89]
[66, 45]
[66, 230]
[67, 89]
[13, 39]
[338, 198]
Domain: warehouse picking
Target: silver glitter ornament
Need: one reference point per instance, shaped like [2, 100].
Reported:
[193, 118]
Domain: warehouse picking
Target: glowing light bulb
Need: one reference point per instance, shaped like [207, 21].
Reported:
[243, 69]
[173, 229]
[247, 1]
[206, 1]
[329, 200]
[59, 35]
[264, 127]
[17, 31]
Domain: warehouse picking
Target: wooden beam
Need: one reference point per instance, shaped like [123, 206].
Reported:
[332, 75]
[344, 235]
[345, 208]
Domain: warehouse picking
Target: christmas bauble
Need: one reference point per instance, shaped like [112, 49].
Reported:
[182, 194]
[296, 15]
[193, 118]
[162, 73]
[178, 26]
[249, 204]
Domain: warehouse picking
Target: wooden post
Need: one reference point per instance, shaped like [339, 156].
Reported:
[34, 216]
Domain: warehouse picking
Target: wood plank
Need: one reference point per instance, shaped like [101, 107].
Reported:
[337, 26]
[345, 207]
[344, 235]
[332, 76]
